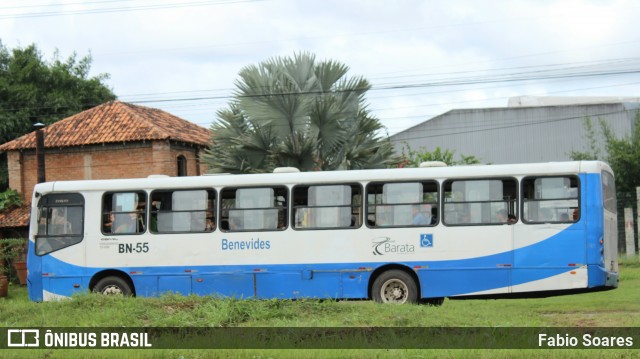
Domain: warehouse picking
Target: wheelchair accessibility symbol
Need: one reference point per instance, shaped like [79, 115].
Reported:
[426, 240]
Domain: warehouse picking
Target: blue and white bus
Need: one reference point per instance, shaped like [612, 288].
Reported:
[391, 235]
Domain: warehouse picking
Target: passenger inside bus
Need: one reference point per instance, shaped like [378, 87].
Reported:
[211, 224]
[501, 216]
[465, 218]
[545, 215]
[434, 215]
[131, 222]
[59, 223]
[419, 219]
[575, 214]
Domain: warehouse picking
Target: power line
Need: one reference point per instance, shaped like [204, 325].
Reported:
[124, 9]
[62, 4]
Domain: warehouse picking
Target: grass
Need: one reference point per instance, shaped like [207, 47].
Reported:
[616, 308]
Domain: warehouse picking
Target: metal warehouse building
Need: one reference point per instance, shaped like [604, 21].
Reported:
[530, 129]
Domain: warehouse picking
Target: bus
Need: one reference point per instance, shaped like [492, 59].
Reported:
[400, 235]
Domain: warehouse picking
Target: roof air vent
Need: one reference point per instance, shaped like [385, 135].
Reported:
[430, 164]
[286, 170]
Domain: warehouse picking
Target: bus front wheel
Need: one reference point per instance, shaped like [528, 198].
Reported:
[113, 286]
[395, 286]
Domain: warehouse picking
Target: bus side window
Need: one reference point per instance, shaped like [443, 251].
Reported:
[259, 208]
[182, 211]
[402, 204]
[124, 212]
[327, 206]
[551, 199]
[480, 202]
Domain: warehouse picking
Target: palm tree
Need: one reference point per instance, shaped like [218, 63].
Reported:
[296, 112]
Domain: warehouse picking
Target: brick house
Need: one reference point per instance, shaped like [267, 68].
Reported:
[113, 140]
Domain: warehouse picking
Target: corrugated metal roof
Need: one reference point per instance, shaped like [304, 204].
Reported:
[518, 134]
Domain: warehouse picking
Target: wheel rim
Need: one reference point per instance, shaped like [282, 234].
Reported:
[394, 291]
[112, 290]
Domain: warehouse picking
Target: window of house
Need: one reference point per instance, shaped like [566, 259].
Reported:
[402, 204]
[481, 201]
[551, 199]
[327, 206]
[124, 212]
[253, 209]
[182, 166]
[175, 211]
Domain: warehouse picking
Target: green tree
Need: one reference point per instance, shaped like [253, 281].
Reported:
[622, 154]
[594, 152]
[9, 198]
[301, 113]
[413, 158]
[33, 89]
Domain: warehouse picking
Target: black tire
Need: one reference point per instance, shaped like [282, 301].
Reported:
[394, 286]
[113, 286]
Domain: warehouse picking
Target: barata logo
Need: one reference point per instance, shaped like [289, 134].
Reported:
[385, 245]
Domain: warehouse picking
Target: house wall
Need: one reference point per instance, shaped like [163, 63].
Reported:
[130, 160]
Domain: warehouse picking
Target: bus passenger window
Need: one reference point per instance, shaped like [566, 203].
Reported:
[251, 209]
[402, 204]
[327, 206]
[124, 212]
[182, 211]
[480, 202]
[551, 199]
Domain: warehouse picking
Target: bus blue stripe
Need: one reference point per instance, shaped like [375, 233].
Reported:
[439, 278]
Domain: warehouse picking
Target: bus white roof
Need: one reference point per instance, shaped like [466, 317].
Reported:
[399, 174]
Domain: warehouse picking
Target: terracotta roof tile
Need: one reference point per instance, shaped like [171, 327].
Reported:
[15, 217]
[115, 121]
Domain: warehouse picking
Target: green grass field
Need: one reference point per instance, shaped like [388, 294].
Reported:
[616, 308]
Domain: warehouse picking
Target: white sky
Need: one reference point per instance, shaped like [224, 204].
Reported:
[423, 58]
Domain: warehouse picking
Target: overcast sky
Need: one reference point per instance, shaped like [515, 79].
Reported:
[423, 58]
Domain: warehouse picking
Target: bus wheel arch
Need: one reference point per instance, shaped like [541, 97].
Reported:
[112, 282]
[394, 278]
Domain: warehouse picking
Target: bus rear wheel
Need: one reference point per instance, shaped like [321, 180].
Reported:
[113, 286]
[394, 286]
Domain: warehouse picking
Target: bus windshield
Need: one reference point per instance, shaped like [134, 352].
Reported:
[60, 222]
